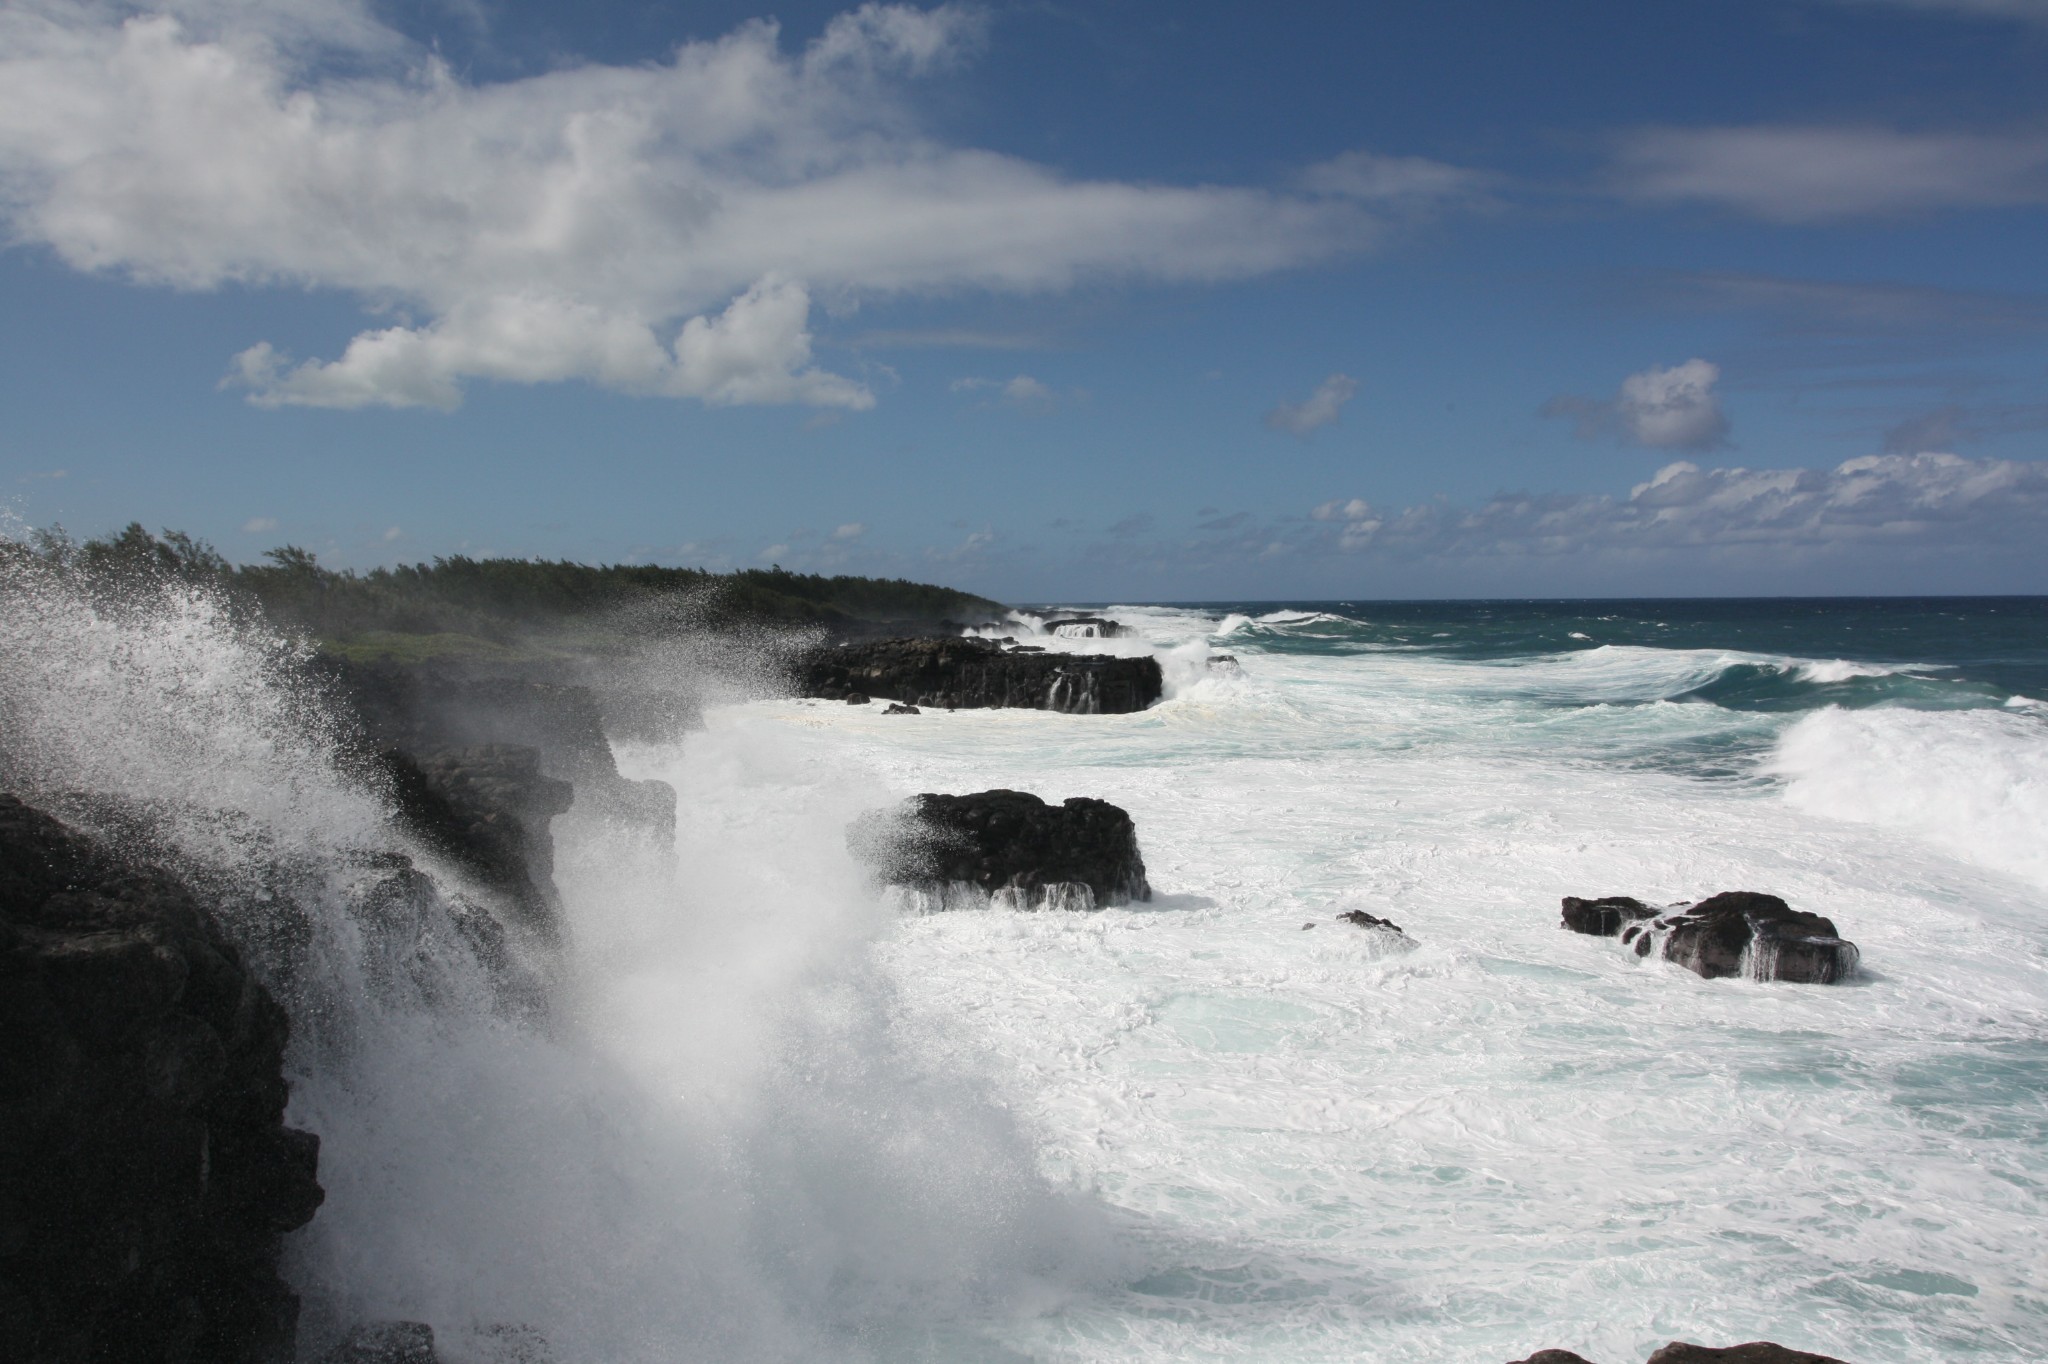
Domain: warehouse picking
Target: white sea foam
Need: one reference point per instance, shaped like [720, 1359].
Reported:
[1974, 782]
[1845, 670]
[1506, 1136]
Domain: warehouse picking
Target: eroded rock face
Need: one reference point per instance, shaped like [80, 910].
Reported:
[487, 807]
[973, 674]
[1735, 933]
[428, 711]
[1007, 848]
[146, 1173]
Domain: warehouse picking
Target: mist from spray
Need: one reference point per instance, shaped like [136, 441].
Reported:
[721, 1140]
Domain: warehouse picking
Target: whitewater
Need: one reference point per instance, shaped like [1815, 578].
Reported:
[1324, 1144]
[769, 1116]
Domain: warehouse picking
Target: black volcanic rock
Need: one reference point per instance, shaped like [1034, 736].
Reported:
[1755, 1352]
[1084, 627]
[1365, 920]
[1010, 845]
[1735, 933]
[1553, 1357]
[1604, 918]
[979, 673]
[487, 807]
[426, 710]
[146, 1173]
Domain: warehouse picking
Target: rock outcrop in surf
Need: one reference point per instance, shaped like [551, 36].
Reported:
[1084, 627]
[969, 673]
[1679, 1352]
[1005, 848]
[146, 1172]
[1735, 933]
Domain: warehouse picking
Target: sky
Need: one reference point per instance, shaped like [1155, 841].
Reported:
[1138, 300]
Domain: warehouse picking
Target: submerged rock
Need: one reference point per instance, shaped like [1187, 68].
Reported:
[1677, 1352]
[978, 674]
[1755, 1352]
[1009, 849]
[1735, 933]
[898, 708]
[146, 1173]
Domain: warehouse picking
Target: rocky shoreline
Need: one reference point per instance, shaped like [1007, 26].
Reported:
[970, 674]
[147, 1176]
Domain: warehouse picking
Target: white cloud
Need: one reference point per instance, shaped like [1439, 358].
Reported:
[1922, 500]
[392, 535]
[257, 525]
[659, 228]
[2026, 11]
[774, 554]
[1664, 409]
[1020, 391]
[1808, 174]
[852, 530]
[1357, 522]
[1406, 182]
[1318, 410]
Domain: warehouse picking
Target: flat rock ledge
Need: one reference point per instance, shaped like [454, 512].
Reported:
[1736, 933]
[146, 1173]
[1006, 849]
[1679, 1352]
[979, 674]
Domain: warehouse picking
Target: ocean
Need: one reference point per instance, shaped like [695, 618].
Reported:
[772, 1117]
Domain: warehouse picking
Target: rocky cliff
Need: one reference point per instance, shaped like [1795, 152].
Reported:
[146, 1173]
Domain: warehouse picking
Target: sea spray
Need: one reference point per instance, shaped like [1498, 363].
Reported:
[720, 1142]
[1972, 782]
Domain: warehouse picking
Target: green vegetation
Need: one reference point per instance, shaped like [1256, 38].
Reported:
[502, 608]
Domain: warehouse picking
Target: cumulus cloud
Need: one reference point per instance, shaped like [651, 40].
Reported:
[257, 525]
[659, 228]
[1664, 409]
[1796, 174]
[852, 530]
[1318, 410]
[1917, 500]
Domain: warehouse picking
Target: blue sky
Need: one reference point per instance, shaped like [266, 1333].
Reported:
[1086, 301]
